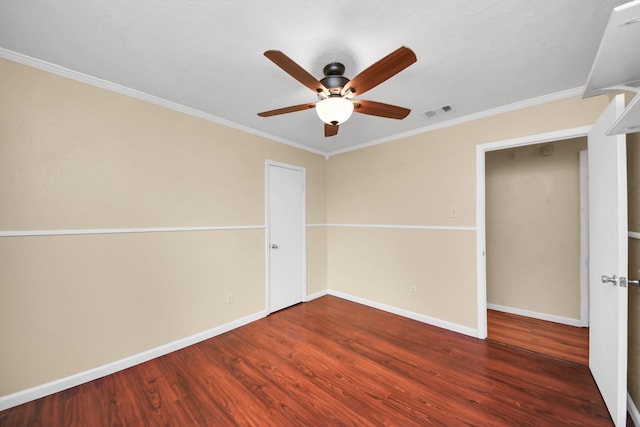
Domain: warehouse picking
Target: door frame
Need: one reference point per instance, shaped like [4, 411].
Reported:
[584, 237]
[267, 240]
[481, 260]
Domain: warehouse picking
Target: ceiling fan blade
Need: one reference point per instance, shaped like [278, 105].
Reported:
[382, 70]
[330, 130]
[286, 110]
[296, 71]
[379, 109]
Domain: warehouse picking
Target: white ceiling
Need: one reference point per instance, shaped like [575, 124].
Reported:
[474, 55]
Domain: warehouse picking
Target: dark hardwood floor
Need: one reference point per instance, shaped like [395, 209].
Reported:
[332, 362]
[548, 338]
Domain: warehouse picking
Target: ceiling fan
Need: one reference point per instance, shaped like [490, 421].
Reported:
[335, 91]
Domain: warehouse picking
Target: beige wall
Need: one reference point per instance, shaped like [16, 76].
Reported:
[533, 228]
[73, 156]
[382, 265]
[633, 179]
[415, 181]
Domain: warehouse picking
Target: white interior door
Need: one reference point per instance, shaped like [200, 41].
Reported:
[608, 259]
[285, 235]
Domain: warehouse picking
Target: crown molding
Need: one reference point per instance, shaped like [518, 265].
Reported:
[133, 93]
[143, 96]
[470, 117]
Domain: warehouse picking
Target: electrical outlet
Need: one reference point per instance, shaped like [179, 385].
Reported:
[453, 212]
[230, 298]
[412, 291]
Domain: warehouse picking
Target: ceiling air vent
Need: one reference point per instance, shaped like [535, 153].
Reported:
[432, 113]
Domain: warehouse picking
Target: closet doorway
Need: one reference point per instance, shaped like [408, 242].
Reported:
[536, 247]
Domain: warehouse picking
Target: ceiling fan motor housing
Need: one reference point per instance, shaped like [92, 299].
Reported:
[334, 80]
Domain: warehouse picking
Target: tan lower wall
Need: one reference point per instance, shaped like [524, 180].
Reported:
[382, 265]
[71, 303]
[73, 156]
[316, 259]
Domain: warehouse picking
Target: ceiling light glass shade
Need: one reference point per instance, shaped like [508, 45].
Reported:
[334, 110]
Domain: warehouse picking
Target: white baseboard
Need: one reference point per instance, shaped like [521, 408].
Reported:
[61, 384]
[542, 316]
[316, 295]
[409, 314]
[633, 410]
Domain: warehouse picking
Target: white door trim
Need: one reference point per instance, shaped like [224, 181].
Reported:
[480, 206]
[267, 246]
[584, 238]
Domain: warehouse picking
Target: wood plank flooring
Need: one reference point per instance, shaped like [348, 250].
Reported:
[331, 362]
[548, 338]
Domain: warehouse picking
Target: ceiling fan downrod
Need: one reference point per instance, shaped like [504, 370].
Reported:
[334, 79]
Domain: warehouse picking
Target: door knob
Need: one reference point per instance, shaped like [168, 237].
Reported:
[274, 246]
[613, 279]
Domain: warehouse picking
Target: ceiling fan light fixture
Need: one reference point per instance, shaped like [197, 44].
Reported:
[334, 110]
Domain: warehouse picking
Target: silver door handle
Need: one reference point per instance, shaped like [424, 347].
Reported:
[613, 279]
[274, 246]
[634, 282]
